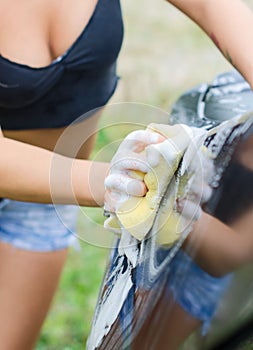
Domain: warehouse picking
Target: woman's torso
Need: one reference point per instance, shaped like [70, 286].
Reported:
[35, 33]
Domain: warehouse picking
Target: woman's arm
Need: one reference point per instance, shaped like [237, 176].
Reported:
[229, 24]
[29, 173]
[218, 248]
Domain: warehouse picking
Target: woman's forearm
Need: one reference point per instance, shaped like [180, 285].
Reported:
[218, 248]
[29, 173]
[229, 24]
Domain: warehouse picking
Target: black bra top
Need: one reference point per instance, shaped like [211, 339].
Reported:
[82, 79]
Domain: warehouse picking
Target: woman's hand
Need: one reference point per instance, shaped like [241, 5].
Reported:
[128, 167]
[200, 169]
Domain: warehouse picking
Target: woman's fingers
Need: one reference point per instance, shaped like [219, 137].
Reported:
[125, 184]
[125, 161]
[113, 200]
[138, 140]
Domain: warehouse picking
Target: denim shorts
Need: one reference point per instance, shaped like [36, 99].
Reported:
[37, 227]
[196, 291]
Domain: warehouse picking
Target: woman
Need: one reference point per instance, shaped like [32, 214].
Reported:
[58, 62]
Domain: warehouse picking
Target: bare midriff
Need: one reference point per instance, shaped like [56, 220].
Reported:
[74, 141]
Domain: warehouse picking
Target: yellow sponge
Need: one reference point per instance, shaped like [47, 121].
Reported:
[137, 214]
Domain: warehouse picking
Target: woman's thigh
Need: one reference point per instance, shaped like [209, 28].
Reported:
[28, 281]
[33, 248]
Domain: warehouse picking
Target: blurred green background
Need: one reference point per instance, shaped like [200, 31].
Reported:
[163, 54]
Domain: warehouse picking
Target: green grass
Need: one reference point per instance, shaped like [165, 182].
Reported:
[163, 54]
[68, 323]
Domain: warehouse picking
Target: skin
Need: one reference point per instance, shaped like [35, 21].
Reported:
[35, 33]
[44, 184]
[219, 248]
[230, 32]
